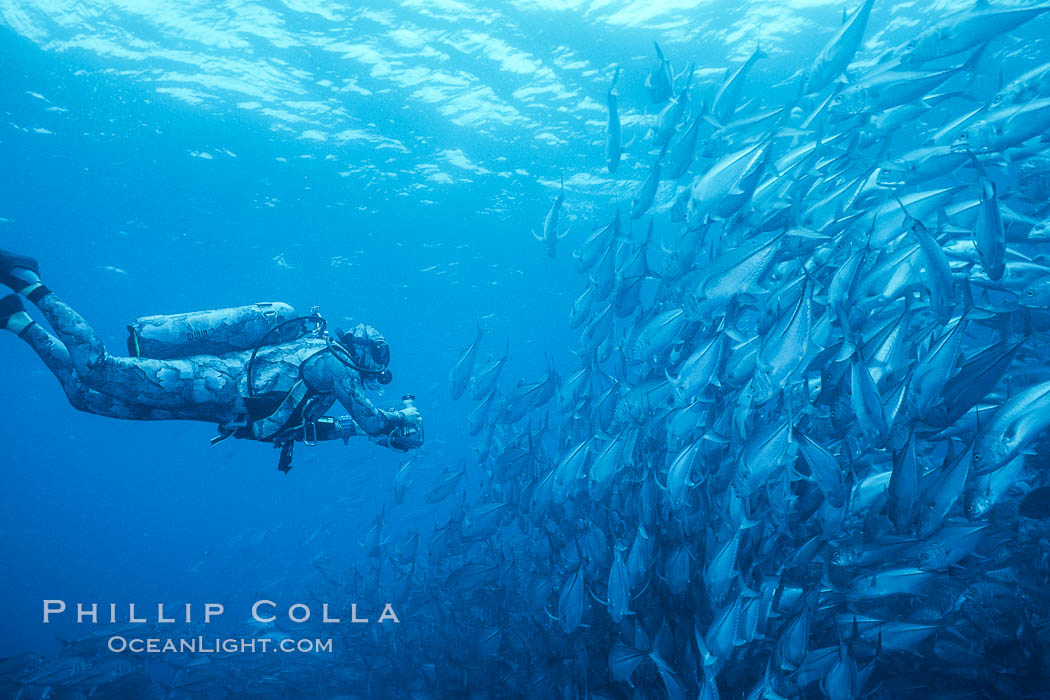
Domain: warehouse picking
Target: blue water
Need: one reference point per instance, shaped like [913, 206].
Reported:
[387, 164]
[100, 507]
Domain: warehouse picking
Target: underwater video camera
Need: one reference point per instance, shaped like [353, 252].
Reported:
[406, 437]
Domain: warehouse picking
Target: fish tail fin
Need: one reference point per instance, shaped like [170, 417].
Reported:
[689, 77]
[973, 62]
[967, 294]
[977, 166]
[849, 345]
[848, 350]
[942, 220]
[675, 388]
[934, 100]
[596, 598]
[803, 81]
[648, 580]
[649, 237]
[884, 147]
[910, 222]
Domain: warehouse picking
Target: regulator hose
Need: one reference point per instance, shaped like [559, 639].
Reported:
[320, 325]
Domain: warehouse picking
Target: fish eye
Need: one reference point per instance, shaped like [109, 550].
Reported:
[964, 136]
[924, 556]
[1029, 293]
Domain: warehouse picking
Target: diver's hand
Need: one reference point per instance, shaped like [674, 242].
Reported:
[404, 430]
[409, 433]
[411, 417]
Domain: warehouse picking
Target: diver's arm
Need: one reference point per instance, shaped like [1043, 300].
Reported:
[349, 391]
[330, 428]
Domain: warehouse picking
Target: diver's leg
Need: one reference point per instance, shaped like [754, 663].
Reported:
[203, 388]
[85, 346]
[56, 357]
[197, 388]
[129, 380]
[13, 317]
[22, 275]
[81, 397]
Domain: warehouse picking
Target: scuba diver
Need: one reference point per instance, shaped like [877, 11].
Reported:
[259, 372]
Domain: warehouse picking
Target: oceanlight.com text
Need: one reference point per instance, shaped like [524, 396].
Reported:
[217, 645]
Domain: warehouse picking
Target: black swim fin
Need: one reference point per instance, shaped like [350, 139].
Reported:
[8, 262]
[9, 306]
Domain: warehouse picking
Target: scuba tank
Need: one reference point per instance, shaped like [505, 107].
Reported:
[214, 332]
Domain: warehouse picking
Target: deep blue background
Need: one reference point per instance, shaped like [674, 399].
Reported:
[96, 509]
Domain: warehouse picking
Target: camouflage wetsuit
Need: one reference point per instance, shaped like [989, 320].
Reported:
[202, 387]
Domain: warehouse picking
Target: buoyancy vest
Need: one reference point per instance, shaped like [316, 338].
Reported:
[283, 408]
